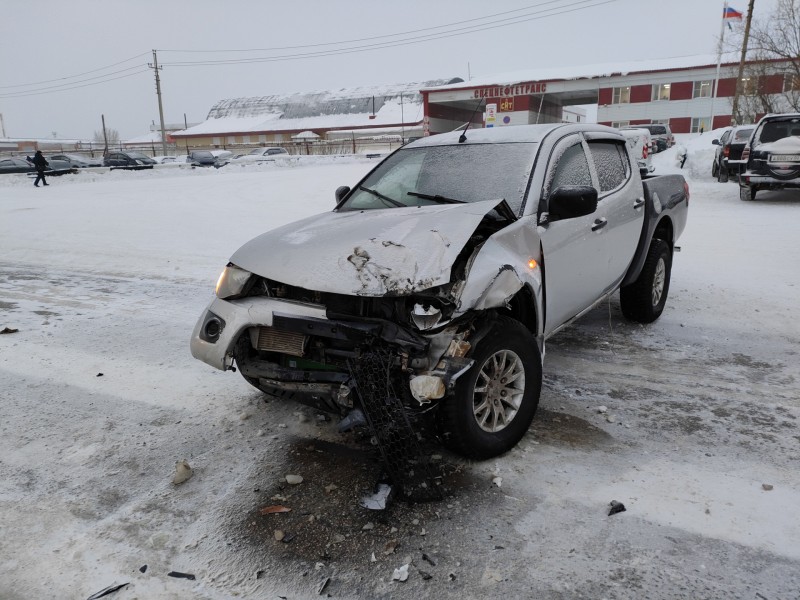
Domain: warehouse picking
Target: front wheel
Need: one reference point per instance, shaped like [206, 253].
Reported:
[495, 401]
[643, 301]
[714, 169]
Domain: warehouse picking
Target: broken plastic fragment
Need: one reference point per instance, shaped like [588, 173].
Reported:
[355, 418]
[616, 507]
[106, 591]
[400, 574]
[183, 472]
[11, 330]
[271, 510]
[323, 584]
[379, 499]
[179, 575]
[294, 479]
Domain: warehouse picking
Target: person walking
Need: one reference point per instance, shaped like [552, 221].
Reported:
[40, 162]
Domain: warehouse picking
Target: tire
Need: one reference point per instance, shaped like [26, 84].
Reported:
[747, 193]
[715, 169]
[722, 175]
[643, 301]
[487, 416]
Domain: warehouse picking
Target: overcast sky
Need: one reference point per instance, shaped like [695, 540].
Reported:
[100, 49]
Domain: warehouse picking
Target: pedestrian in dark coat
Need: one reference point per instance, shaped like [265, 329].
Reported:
[40, 162]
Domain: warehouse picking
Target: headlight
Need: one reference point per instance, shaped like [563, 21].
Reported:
[425, 316]
[231, 282]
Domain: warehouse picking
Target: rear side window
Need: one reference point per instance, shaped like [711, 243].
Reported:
[658, 129]
[611, 164]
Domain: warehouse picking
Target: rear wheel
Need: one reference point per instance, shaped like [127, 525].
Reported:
[747, 192]
[722, 175]
[643, 301]
[495, 401]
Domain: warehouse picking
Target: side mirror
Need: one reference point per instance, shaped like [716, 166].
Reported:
[341, 192]
[715, 142]
[569, 201]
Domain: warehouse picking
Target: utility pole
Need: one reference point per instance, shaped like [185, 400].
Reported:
[156, 68]
[735, 109]
[105, 137]
[402, 122]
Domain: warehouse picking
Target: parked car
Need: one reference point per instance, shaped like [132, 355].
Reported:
[429, 290]
[209, 158]
[771, 158]
[20, 165]
[660, 133]
[164, 160]
[134, 161]
[78, 160]
[258, 155]
[641, 146]
[729, 148]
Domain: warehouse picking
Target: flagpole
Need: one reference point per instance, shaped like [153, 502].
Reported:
[719, 63]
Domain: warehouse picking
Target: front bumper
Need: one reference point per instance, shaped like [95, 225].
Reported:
[237, 316]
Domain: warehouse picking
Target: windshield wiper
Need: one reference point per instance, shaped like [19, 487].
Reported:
[437, 198]
[381, 196]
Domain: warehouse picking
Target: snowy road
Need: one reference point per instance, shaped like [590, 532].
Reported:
[106, 274]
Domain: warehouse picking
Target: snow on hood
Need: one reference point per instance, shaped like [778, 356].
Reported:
[394, 251]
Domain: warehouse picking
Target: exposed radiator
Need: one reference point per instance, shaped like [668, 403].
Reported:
[286, 342]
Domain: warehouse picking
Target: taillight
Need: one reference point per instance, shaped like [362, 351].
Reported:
[686, 191]
[644, 151]
[746, 153]
[726, 151]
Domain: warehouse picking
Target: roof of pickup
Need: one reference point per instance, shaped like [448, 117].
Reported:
[499, 135]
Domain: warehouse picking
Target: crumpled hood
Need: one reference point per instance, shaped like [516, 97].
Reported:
[393, 251]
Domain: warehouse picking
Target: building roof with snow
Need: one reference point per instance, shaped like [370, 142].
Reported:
[351, 108]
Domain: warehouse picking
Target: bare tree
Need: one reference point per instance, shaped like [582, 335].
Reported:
[773, 54]
[111, 134]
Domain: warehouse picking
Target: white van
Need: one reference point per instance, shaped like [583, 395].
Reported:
[641, 147]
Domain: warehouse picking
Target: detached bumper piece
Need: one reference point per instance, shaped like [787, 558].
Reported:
[408, 468]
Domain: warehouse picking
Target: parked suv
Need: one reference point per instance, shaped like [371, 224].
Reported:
[128, 160]
[727, 159]
[771, 159]
[660, 133]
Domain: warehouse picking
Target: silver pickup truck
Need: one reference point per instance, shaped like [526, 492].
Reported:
[435, 281]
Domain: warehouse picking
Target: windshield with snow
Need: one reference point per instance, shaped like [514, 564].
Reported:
[447, 174]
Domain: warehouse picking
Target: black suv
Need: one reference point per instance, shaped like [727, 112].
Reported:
[730, 145]
[771, 160]
[128, 160]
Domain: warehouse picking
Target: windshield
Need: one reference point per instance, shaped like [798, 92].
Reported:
[772, 131]
[466, 173]
[138, 155]
[256, 151]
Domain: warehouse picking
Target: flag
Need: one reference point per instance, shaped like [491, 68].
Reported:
[730, 13]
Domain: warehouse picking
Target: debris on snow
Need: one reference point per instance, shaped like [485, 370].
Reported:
[390, 547]
[10, 330]
[425, 575]
[143, 569]
[99, 375]
[278, 534]
[183, 472]
[602, 409]
[179, 575]
[372, 558]
[323, 584]
[106, 591]
[498, 481]
[767, 487]
[277, 508]
[400, 574]
[379, 499]
[368, 526]
[294, 479]
[428, 559]
[616, 507]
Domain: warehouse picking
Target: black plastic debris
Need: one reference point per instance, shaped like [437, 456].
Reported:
[425, 575]
[616, 507]
[8, 330]
[323, 585]
[386, 416]
[179, 575]
[428, 559]
[143, 569]
[106, 591]
[99, 375]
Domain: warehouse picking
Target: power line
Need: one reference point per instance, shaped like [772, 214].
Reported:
[62, 85]
[412, 40]
[75, 87]
[3, 87]
[366, 39]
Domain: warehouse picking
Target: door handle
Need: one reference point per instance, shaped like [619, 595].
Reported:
[639, 203]
[599, 224]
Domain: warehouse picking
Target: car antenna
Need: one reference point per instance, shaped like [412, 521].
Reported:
[463, 137]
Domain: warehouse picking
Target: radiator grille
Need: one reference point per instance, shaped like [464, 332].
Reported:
[286, 342]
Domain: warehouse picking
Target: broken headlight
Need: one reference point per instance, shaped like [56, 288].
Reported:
[425, 316]
[231, 282]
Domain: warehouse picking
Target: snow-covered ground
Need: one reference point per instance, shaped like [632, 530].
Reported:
[104, 275]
